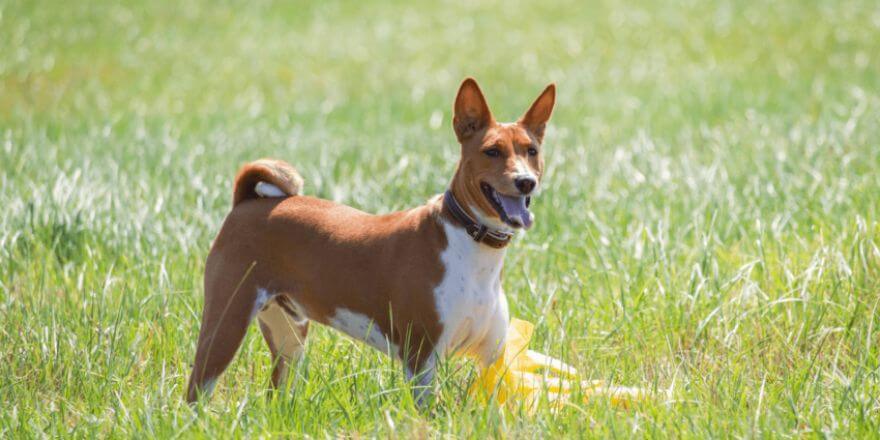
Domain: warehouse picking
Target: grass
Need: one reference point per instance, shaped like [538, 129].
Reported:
[709, 223]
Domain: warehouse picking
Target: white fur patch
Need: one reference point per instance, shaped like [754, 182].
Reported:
[208, 387]
[362, 328]
[469, 298]
[264, 189]
[263, 296]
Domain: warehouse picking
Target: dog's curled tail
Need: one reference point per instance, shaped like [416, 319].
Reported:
[266, 178]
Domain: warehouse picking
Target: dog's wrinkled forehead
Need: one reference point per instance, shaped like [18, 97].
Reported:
[507, 134]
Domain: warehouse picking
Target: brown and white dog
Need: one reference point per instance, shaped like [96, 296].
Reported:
[418, 284]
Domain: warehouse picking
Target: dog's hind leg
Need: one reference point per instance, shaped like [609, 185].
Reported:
[285, 330]
[229, 309]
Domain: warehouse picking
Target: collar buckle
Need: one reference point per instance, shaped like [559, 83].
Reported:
[480, 233]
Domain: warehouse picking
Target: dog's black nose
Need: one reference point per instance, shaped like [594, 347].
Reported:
[525, 185]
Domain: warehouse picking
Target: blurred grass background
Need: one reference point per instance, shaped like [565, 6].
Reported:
[709, 223]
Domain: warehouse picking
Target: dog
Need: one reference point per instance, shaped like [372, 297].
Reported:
[418, 284]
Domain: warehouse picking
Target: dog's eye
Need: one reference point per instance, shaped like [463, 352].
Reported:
[533, 151]
[492, 152]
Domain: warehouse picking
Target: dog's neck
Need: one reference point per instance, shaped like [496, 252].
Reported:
[459, 237]
[475, 228]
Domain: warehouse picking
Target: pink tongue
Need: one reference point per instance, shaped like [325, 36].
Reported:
[515, 207]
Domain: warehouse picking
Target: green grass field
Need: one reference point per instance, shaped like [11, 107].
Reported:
[709, 224]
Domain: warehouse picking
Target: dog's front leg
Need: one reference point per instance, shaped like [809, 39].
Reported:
[492, 344]
[421, 379]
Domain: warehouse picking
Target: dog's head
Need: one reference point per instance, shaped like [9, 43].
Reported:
[501, 163]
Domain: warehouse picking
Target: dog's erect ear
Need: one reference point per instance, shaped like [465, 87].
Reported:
[471, 110]
[535, 119]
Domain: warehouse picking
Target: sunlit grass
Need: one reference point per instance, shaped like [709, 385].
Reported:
[709, 223]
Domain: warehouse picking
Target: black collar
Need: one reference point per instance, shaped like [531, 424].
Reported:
[479, 232]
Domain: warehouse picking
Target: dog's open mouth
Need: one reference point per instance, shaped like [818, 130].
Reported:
[513, 210]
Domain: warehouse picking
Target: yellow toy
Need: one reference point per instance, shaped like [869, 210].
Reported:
[516, 376]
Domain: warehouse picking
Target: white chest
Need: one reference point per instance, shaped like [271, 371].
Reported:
[470, 301]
